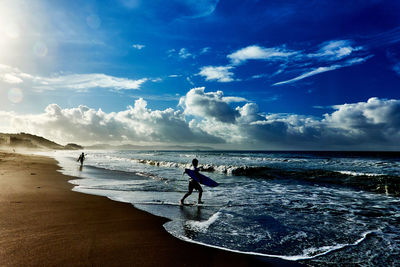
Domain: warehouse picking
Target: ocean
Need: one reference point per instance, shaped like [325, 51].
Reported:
[317, 208]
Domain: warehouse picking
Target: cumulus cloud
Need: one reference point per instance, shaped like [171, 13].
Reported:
[374, 113]
[211, 105]
[136, 124]
[78, 82]
[374, 124]
[260, 53]
[226, 122]
[219, 73]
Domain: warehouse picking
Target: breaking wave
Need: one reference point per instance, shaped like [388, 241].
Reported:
[374, 182]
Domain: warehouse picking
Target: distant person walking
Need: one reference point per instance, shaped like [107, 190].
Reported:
[193, 184]
[81, 158]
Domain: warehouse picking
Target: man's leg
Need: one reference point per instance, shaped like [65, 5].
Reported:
[188, 193]
[198, 188]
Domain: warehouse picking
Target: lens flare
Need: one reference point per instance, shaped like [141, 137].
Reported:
[15, 95]
[40, 49]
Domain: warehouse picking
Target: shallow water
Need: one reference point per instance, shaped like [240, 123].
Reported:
[320, 208]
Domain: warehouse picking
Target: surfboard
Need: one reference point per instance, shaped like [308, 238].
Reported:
[201, 178]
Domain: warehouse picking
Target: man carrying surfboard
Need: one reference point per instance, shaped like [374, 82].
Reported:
[193, 184]
[81, 158]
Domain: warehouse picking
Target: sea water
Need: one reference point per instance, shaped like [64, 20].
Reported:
[318, 208]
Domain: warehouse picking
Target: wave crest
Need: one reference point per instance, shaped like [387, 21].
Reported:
[379, 183]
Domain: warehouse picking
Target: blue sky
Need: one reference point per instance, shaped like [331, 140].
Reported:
[228, 74]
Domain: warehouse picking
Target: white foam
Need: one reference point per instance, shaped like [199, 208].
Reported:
[99, 183]
[359, 173]
[170, 203]
[203, 225]
[324, 250]
[297, 236]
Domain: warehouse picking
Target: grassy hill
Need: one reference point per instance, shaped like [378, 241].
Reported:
[30, 141]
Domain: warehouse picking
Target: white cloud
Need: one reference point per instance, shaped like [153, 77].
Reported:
[181, 53]
[258, 76]
[335, 50]
[138, 46]
[84, 82]
[260, 53]
[249, 113]
[78, 82]
[171, 52]
[328, 52]
[156, 80]
[232, 99]
[374, 124]
[184, 53]
[324, 69]
[375, 112]
[10, 78]
[211, 106]
[220, 73]
[86, 125]
[205, 50]
[189, 81]
[11, 75]
[310, 73]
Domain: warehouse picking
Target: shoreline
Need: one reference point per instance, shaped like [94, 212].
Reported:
[44, 222]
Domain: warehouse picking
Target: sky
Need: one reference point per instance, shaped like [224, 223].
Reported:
[226, 74]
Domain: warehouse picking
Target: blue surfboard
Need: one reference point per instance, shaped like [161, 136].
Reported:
[201, 178]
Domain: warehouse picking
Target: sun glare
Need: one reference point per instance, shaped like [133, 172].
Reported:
[10, 29]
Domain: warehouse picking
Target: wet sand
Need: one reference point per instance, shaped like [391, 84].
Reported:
[44, 223]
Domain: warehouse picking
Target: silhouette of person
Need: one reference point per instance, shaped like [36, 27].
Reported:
[193, 184]
[81, 158]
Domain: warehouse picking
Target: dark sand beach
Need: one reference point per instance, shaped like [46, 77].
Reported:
[44, 223]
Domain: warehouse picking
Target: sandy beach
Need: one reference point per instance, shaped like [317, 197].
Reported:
[44, 223]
